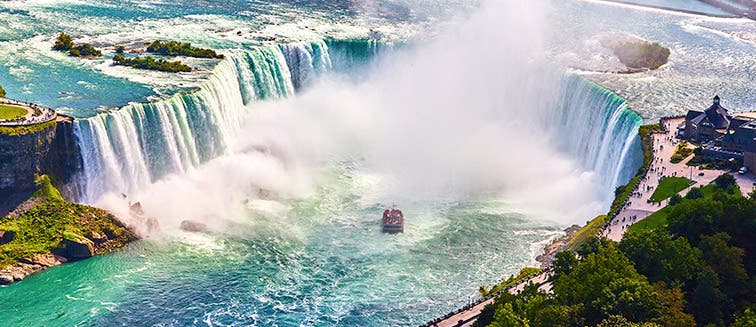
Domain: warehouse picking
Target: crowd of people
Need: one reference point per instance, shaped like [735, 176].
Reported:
[393, 217]
[40, 114]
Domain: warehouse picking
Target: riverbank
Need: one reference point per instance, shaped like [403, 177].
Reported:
[574, 237]
[45, 231]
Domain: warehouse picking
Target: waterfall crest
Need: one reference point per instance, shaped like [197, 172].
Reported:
[127, 149]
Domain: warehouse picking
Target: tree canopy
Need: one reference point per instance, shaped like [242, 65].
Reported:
[696, 270]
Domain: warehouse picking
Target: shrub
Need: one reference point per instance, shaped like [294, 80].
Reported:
[150, 63]
[174, 48]
[64, 42]
[2, 92]
[84, 50]
[694, 193]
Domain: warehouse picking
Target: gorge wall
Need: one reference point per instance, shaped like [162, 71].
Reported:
[51, 149]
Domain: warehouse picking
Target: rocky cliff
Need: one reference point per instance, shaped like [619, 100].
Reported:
[49, 148]
[22, 155]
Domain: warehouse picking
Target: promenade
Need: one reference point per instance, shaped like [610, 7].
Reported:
[467, 316]
[638, 205]
[35, 114]
[635, 209]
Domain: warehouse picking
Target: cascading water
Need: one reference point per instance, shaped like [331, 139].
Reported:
[596, 128]
[126, 149]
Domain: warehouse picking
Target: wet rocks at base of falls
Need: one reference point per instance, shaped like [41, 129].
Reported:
[28, 266]
[193, 226]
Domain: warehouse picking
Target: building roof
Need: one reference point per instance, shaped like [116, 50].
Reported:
[715, 114]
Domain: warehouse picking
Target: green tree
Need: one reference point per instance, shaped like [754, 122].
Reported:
[64, 42]
[620, 321]
[563, 264]
[506, 317]
[592, 245]
[2, 92]
[746, 319]
[706, 301]
[727, 263]
[661, 258]
[694, 193]
[726, 182]
[691, 219]
[675, 199]
[606, 283]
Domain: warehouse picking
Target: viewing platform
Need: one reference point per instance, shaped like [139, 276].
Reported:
[35, 114]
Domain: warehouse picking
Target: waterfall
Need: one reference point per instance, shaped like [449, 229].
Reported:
[306, 60]
[598, 130]
[126, 149]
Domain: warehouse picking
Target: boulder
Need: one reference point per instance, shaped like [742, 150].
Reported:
[96, 237]
[75, 249]
[6, 279]
[6, 236]
[136, 209]
[193, 226]
[152, 225]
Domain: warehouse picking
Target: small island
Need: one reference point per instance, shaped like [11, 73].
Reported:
[150, 63]
[46, 230]
[64, 42]
[175, 48]
[637, 54]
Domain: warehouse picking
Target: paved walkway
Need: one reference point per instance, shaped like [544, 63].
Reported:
[468, 317]
[35, 114]
[664, 145]
[636, 209]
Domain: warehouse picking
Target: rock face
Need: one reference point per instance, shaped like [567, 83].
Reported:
[6, 236]
[52, 150]
[73, 250]
[21, 156]
[64, 160]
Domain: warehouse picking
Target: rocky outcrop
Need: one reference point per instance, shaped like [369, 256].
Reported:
[193, 226]
[28, 266]
[556, 246]
[75, 249]
[51, 150]
[6, 236]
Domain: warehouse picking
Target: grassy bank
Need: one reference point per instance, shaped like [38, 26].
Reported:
[512, 280]
[591, 229]
[23, 130]
[41, 224]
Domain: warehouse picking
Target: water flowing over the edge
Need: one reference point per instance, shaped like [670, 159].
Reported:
[599, 131]
[126, 149]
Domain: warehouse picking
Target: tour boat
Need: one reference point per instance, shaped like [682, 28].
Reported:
[393, 221]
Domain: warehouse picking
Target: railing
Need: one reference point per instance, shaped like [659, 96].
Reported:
[613, 215]
[471, 305]
[41, 114]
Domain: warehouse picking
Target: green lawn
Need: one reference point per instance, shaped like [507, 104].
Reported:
[659, 219]
[668, 187]
[11, 112]
[654, 221]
